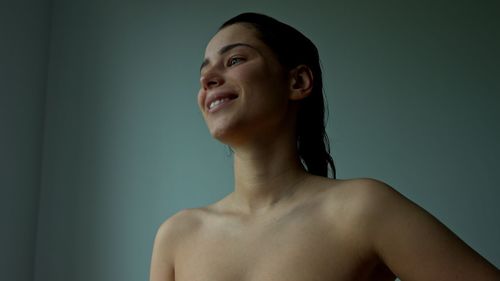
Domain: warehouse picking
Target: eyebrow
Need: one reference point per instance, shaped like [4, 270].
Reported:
[226, 49]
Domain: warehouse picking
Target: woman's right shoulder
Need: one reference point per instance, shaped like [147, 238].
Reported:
[181, 225]
[173, 234]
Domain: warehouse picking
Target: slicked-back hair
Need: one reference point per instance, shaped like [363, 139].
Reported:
[292, 49]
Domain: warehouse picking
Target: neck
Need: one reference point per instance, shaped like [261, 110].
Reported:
[265, 174]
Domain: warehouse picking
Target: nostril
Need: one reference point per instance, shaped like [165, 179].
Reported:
[212, 83]
[211, 80]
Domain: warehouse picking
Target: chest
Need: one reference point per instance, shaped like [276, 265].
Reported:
[294, 248]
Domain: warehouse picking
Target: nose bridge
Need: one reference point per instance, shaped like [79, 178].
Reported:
[211, 77]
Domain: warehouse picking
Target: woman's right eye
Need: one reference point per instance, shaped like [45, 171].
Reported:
[234, 60]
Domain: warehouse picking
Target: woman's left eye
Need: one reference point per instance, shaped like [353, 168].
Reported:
[235, 60]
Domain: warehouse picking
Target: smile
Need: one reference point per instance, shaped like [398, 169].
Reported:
[218, 101]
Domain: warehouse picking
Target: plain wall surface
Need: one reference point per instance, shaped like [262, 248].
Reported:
[24, 43]
[413, 93]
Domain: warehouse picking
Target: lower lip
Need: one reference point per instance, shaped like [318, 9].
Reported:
[221, 106]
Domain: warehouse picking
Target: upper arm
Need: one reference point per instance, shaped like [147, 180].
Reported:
[162, 262]
[170, 236]
[414, 244]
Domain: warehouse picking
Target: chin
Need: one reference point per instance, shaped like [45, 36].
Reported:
[218, 132]
[221, 135]
[225, 134]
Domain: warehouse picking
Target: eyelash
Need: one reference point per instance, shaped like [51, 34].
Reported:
[231, 62]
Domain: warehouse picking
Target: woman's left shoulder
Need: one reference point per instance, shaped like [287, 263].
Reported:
[411, 242]
[361, 193]
[364, 202]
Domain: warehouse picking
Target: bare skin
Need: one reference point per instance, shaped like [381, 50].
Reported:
[281, 223]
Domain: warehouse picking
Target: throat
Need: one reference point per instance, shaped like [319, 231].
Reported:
[261, 197]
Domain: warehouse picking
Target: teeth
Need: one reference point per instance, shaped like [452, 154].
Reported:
[217, 102]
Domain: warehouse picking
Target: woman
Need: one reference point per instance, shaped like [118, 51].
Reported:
[261, 94]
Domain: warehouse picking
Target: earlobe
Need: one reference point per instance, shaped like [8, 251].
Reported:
[301, 82]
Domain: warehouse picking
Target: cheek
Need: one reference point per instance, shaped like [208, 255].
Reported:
[269, 88]
[201, 99]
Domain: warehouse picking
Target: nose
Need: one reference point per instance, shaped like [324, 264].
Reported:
[211, 80]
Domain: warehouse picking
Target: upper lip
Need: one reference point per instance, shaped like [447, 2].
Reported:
[218, 95]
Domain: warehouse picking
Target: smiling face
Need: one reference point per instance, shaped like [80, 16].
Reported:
[244, 89]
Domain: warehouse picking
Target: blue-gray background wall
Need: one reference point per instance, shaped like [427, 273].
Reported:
[24, 44]
[414, 99]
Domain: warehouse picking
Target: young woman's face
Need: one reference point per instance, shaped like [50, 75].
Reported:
[244, 89]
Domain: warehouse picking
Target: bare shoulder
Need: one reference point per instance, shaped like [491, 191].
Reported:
[409, 240]
[176, 231]
[171, 236]
[361, 199]
[371, 197]
[366, 189]
[355, 206]
[180, 226]
[368, 204]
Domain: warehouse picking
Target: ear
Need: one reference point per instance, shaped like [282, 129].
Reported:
[301, 82]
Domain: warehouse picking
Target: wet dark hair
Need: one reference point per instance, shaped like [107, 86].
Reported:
[292, 49]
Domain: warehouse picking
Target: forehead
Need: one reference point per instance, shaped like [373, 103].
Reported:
[236, 33]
